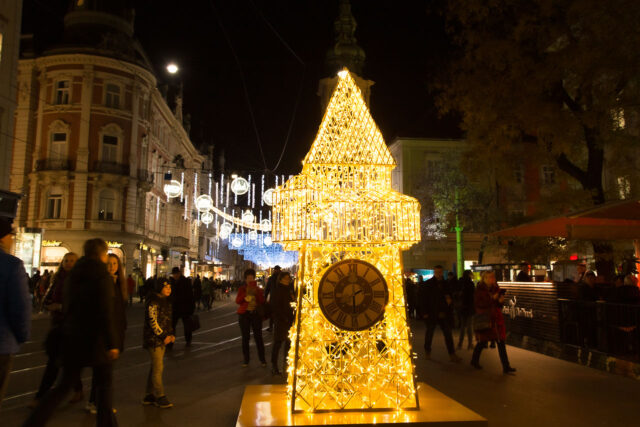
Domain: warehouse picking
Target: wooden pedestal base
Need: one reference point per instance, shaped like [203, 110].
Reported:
[266, 406]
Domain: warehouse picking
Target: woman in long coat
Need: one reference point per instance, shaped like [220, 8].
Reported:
[282, 295]
[488, 301]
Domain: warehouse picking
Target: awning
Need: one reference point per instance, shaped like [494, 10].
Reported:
[610, 221]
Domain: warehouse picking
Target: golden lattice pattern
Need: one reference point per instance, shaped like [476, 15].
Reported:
[342, 206]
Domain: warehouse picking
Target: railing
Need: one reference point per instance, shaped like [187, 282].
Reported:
[180, 242]
[111, 167]
[610, 328]
[53, 164]
[145, 175]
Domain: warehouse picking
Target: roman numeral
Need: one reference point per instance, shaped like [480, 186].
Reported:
[378, 294]
[327, 295]
[353, 268]
[339, 273]
[375, 282]
[332, 308]
[354, 322]
[341, 318]
[375, 306]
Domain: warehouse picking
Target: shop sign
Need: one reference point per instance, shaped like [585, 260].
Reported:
[51, 243]
[114, 244]
[512, 311]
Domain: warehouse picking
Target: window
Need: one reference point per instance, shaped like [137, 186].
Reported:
[54, 205]
[58, 149]
[106, 205]
[112, 95]
[62, 92]
[548, 174]
[518, 174]
[110, 148]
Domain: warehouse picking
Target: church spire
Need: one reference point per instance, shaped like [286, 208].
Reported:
[346, 52]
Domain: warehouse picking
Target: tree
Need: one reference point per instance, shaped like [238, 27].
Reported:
[559, 77]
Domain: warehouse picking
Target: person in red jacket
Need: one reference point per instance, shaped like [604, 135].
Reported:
[488, 300]
[249, 299]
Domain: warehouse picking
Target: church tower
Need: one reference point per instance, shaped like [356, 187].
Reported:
[345, 53]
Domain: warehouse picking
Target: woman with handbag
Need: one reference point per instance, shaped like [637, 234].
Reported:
[250, 300]
[488, 321]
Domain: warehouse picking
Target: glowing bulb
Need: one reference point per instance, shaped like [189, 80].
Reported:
[206, 218]
[204, 203]
[172, 68]
[173, 188]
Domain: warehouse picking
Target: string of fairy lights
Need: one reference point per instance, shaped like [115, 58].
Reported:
[237, 207]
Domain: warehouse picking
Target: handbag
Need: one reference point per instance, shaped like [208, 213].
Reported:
[481, 322]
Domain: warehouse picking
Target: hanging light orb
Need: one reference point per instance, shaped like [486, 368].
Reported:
[226, 228]
[267, 241]
[253, 235]
[247, 216]
[267, 196]
[239, 186]
[266, 224]
[236, 242]
[223, 234]
[204, 203]
[173, 189]
[206, 218]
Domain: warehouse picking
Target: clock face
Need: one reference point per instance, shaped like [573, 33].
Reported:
[353, 294]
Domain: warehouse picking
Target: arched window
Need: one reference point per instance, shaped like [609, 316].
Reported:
[106, 205]
[110, 143]
[62, 92]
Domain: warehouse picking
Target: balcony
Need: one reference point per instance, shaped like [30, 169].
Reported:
[145, 179]
[53, 165]
[180, 243]
[111, 167]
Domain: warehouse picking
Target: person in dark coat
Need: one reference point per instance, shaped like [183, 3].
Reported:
[120, 295]
[182, 303]
[435, 308]
[197, 291]
[249, 300]
[269, 288]
[15, 304]
[411, 293]
[53, 343]
[156, 335]
[523, 275]
[467, 309]
[283, 315]
[90, 336]
[488, 300]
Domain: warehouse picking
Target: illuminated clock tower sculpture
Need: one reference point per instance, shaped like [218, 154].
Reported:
[350, 343]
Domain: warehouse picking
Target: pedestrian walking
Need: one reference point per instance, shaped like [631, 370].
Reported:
[282, 315]
[250, 300]
[411, 293]
[488, 301]
[197, 291]
[15, 304]
[157, 334]
[53, 343]
[90, 336]
[116, 272]
[131, 288]
[435, 307]
[207, 293]
[182, 303]
[269, 287]
[467, 309]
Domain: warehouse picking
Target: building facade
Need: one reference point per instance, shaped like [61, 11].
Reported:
[93, 140]
[10, 17]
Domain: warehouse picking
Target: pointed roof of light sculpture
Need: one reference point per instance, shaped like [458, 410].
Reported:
[348, 134]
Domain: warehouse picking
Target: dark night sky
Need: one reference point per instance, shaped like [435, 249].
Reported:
[404, 41]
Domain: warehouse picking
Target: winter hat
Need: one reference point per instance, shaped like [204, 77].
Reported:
[5, 227]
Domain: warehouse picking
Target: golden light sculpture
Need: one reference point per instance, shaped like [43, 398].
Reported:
[342, 207]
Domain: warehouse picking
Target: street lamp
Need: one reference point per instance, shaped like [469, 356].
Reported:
[172, 68]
